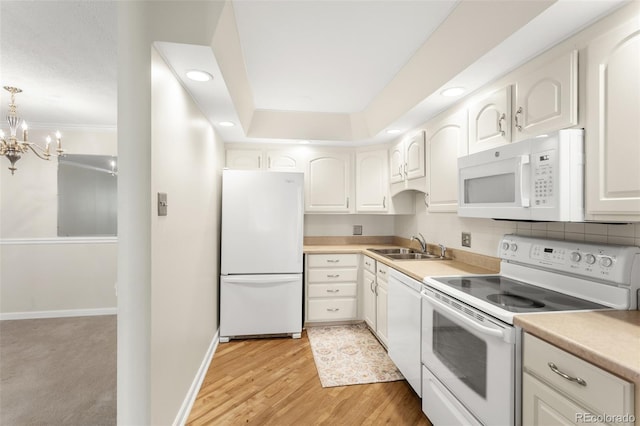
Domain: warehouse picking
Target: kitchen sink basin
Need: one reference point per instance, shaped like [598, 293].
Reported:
[402, 253]
[397, 250]
[412, 256]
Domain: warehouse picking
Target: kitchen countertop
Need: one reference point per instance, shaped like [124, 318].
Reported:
[608, 339]
[416, 269]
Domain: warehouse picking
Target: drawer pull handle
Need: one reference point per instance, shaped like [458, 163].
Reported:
[336, 290]
[555, 369]
[382, 272]
[333, 260]
[333, 275]
[333, 309]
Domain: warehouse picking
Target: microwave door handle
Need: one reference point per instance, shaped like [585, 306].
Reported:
[524, 160]
[454, 315]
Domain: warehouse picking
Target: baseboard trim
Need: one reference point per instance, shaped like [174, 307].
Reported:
[58, 314]
[58, 240]
[190, 398]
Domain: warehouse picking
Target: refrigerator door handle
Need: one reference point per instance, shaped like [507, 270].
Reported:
[261, 279]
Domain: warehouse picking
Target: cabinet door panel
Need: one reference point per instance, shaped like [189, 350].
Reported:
[447, 141]
[328, 183]
[547, 99]
[414, 157]
[244, 159]
[543, 406]
[613, 139]
[371, 181]
[369, 299]
[396, 163]
[490, 121]
[381, 313]
[283, 161]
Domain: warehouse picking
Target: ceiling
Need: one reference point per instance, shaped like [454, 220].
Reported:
[331, 72]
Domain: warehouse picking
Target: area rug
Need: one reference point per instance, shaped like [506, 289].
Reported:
[350, 355]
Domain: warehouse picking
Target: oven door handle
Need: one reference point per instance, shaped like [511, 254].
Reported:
[453, 314]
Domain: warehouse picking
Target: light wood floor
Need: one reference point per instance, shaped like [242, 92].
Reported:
[274, 381]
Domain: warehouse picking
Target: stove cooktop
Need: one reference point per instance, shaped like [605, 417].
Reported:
[515, 296]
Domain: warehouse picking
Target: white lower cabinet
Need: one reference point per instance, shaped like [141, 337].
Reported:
[331, 287]
[375, 291]
[382, 298]
[369, 292]
[561, 389]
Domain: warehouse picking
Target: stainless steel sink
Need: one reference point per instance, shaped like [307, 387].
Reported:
[412, 256]
[397, 250]
[402, 253]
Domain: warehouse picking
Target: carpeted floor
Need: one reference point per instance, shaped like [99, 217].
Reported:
[350, 355]
[59, 371]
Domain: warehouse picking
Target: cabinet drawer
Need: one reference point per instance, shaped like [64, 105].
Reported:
[332, 260]
[333, 290]
[369, 264]
[332, 309]
[602, 391]
[332, 275]
[382, 272]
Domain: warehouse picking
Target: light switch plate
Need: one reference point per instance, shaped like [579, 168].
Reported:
[162, 204]
[466, 239]
[357, 229]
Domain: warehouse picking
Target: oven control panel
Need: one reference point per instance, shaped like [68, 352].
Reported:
[593, 260]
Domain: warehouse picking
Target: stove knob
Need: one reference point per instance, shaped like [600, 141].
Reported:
[505, 246]
[590, 259]
[606, 261]
[575, 256]
[514, 247]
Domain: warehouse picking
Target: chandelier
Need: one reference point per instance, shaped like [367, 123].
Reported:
[11, 147]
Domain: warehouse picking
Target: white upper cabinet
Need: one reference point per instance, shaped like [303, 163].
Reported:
[396, 163]
[613, 125]
[490, 121]
[284, 161]
[414, 157]
[328, 183]
[372, 184]
[244, 159]
[256, 159]
[547, 98]
[407, 159]
[446, 141]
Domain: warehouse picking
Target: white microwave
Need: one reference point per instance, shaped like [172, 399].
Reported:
[535, 179]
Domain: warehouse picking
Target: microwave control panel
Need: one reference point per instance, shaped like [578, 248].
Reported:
[544, 179]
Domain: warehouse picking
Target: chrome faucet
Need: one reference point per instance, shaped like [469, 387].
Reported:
[420, 239]
[443, 251]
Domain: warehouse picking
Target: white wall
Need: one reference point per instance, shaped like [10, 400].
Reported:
[326, 225]
[41, 274]
[139, 25]
[187, 160]
[446, 228]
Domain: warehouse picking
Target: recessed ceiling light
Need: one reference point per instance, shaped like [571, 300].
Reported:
[393, 131]
[452, 91]
[226, 124]
[197, 75]
[542, 136]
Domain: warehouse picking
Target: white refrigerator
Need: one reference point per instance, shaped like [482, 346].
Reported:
[261, 253]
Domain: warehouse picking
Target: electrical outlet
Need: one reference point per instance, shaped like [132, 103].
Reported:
[466, 239]
[357, 229]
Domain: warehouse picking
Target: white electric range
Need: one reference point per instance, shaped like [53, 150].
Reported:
[470, 348]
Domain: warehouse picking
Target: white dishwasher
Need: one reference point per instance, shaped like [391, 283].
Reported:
[404, 320]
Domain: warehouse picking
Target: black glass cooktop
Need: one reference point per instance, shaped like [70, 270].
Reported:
[516, 296]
